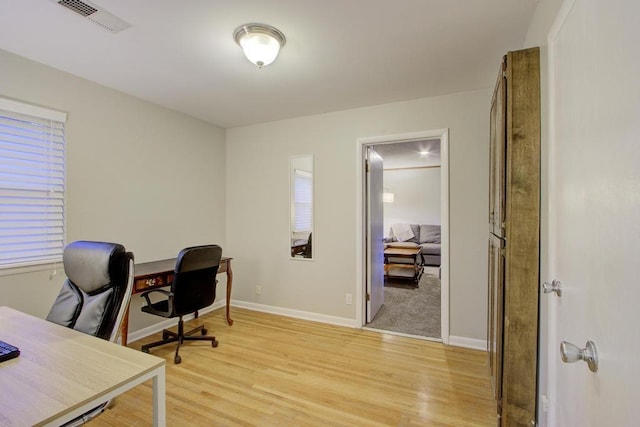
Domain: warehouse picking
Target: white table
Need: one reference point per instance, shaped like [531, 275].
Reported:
[62, 373]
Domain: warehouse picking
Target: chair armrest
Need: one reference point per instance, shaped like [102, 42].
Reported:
[169, 296]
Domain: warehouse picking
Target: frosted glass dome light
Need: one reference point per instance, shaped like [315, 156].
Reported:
[261, 43]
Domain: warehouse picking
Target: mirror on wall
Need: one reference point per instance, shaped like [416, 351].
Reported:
[301, 207]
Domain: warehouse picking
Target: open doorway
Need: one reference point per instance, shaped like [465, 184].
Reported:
[414, 198]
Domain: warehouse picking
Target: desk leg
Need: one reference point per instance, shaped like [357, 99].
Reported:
[229, 286]
[124, 327]
[159, 399]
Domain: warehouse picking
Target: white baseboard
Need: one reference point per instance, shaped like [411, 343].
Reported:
[165, 324]
[468, 343]
[305, 315]
[298, 314]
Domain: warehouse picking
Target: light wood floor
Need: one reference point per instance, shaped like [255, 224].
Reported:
[277, 371]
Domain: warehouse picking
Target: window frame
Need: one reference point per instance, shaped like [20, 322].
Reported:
[13, 109]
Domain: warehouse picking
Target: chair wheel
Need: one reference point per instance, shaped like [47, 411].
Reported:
[203, 331]
[164, 335]
[177, 360]
[214, 343]
[145, 350]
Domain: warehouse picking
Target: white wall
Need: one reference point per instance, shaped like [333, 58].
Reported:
[138, 174]
[257, 204]
[416, 197]
[154, 180]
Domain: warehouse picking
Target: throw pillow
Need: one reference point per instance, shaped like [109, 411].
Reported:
[429, 233]
[415, 228]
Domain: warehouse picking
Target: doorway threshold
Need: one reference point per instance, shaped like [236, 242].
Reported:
[401, 334]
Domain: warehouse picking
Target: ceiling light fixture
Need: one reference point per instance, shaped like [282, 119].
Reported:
[260, 42]
[387, 196]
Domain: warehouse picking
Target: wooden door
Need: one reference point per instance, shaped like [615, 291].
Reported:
[496, 313]
[522, 230]
[514, 237]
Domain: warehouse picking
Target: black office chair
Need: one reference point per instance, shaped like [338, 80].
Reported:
[308, 252]
[193, 288]
[95, 295]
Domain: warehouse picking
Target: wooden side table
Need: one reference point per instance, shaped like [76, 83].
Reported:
[411, 271]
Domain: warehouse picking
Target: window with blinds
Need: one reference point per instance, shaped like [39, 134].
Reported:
[302, 201]
[32, 183]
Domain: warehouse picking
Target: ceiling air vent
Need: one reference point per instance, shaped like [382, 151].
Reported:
[95, 14]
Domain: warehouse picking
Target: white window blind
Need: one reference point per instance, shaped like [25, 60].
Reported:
[302, 201]
[32, 180]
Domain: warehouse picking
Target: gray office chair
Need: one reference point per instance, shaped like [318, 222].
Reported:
[193, 288]
[95, 295]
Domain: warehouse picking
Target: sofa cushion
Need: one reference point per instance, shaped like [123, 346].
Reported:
[429, 233]
[430, 248]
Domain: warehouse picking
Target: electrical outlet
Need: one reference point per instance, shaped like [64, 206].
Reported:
[349, 299]
[258, 290]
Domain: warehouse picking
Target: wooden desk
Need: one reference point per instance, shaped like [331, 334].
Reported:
[156, 274]
[62, 373]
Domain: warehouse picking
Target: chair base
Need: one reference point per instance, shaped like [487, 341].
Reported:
[179, 337]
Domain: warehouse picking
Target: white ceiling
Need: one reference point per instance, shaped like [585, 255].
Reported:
[410, 154]
[339, 54]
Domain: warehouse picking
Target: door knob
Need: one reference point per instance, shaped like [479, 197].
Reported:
[553, 287]
[572, 353]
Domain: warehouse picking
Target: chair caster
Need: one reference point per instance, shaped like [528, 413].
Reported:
[145, 350]
[203, 331]
[214, 343]
[177, 360]
[165, 335]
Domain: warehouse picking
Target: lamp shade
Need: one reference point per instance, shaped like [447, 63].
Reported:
[261, 43]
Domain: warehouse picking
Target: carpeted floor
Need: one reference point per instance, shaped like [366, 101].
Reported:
[411, 310]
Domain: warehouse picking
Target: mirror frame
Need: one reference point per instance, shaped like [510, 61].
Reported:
[292, 169]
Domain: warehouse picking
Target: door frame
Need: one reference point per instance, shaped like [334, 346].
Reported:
[548, 337]
[361, 144]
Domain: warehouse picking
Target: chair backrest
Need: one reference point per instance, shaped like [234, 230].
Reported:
[194, 278]
[98, 288]
[308, 252]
